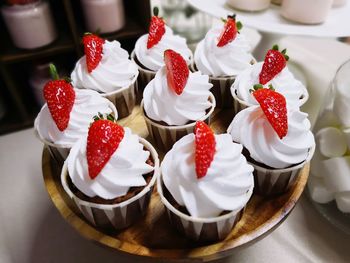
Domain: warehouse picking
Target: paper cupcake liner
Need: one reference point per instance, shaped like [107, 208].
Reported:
[59, 152]
[238, 104]
[221, 89]
[164, 137]
[115, 216]
[200, 229]
[269, 182]
[145, 76]
[124, 99]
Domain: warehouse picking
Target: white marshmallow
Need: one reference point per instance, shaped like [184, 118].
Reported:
[331, 142]
[346, 132]
[337, 174]
[326, 119]
[318, 191]
[343, 201]
[341, 104]
[317, 169]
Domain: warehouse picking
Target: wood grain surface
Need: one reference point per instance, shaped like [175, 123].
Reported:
[153, 235]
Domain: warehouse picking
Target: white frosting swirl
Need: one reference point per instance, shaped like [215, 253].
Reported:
[87, 104]
[251, 128]
[226, 186]
[229, 60]
[153, 58]
[284, 83]
[124, 169]
[161, 103]
[115, 70]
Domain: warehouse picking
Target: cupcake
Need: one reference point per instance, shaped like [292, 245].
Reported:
[66, 115]
[205, 184]
[249, 5]
[223, 54]
[110, 174]
[273, 71]
[277, 142]
[149, 49]
[174, 100]
[107, 69]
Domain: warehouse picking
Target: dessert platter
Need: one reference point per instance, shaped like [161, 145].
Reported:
[170, 155]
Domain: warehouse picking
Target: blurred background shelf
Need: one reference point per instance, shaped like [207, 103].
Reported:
[16, 97]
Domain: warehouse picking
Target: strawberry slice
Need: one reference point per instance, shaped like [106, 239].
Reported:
[177, 71]
[274, 107]
[156, 29]
[103, 140]
[59, 95]
[93, 48]
[230, 30]
[205, 148]
[274, 63]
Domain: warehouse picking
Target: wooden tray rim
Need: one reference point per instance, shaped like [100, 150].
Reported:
[225, 247]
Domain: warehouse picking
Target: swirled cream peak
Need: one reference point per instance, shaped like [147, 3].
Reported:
[86, 105]
[115, 70]
[161, 103]
[251, 128]
[153, 58]
[284, 82]
[226, 187]
[229, 60]
[124, 169]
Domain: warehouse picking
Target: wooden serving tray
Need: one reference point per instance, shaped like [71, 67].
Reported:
[153, 236]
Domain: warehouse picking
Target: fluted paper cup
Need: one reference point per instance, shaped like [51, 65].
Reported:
[269, 182]
[145, 76]
[239, 104]
[124, 99]
[164, 136]
[59, 152]
[115, 216]
[200, 229]
[221, 89]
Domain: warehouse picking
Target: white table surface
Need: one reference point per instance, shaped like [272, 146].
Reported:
[33, 231]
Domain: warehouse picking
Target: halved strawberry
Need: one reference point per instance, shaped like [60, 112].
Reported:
[274, 107]
[230, 30]
[177, 71]
[274, 63]
[103, 140]
[156, 29]
[59, 95]
[205, 148]
[93, 48]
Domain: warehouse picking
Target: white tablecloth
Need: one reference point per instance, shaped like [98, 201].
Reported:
[33, 231]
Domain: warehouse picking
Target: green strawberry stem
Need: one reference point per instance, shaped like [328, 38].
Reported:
[155, 11]
[53, 72]
[100, 116]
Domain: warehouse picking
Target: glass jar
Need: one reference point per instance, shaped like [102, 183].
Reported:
[103, 16]
[30, 25]
[330, 167]
[185, 20]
